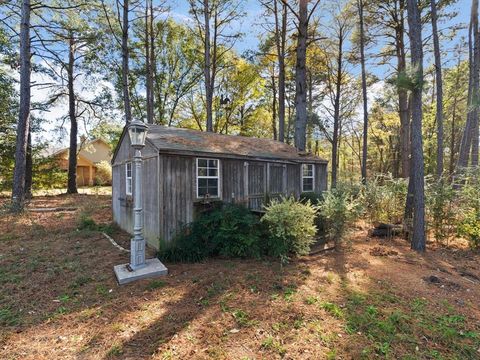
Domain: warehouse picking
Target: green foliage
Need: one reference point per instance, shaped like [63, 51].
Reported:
[384, 199]
[469, 227]
[291, 226]
[103, 175]
[46, 172]
[440, 206]
[339, 209]
[86, 223]
[229, 231]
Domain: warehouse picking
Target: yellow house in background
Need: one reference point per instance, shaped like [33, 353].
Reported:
[91, 153]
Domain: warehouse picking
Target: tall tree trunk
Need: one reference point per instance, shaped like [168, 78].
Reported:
[281, 39]
[403, 105]
[125, 65]
[476, 84]
[364, 93]
[148, 61]
[336, 112]
[473, 50]
[438, 78]
[208, 88]
[23, 125]
[301, 77]
[454, 120]
[274, 106]
[29, 167]
[417, 175]
[72, 154]
[310, 112]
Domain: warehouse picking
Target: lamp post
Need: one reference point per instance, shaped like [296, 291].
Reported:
[139, 267]
[137, 131]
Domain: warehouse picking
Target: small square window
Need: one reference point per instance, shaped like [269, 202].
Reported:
[208, 178]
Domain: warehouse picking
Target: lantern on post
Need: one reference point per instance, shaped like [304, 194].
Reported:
[138, 268]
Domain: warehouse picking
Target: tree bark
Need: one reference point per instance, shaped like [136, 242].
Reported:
[148, 60]
[72, 153]
[125, 63]
[208, 88]
[473, 54]
[476, 85]
[417, 175]
[403, 105]
[274, 107]
[438, 79]
[364, 93]
[23, 125]
[301, 77]
[29, 166]
[281, 39]
[336, 111]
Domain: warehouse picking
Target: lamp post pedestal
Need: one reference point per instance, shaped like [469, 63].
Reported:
[138, 268]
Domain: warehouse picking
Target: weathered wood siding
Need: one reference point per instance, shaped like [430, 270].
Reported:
[177, 193]
[151, 201]
[293, 180]
[233, 183]
[321, 175]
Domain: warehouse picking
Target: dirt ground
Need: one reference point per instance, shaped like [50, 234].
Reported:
[373, 299]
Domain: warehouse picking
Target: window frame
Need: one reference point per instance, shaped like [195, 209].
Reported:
[127, 192]
[308, 177]
[218, 177]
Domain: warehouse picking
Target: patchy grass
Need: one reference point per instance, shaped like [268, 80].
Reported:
[59, 299]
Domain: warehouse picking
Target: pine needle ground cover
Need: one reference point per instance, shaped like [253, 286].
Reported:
[59, 298]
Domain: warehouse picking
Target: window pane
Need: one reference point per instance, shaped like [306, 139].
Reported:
[202, 182]
[307, 184]
[212, 163]
[202, 191]
[212, 172]
[202, 162]
[202, 171]
[213, 187]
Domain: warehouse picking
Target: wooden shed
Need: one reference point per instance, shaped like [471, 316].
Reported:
[183, 169]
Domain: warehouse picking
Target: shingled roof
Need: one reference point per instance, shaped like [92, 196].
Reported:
[171, 139]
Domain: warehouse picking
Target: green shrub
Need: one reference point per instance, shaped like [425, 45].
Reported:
[291, 226]
[470, 228]
[383, 199]
[313, 197]
[229, 231]
[440, 206]
[338, 209]
[103, 175]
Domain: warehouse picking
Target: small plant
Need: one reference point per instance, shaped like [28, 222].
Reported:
[470, 228]
[339, 209]
[242, 318]
[333, 309]
[155, 284]
[440, 197]
[291, 226]
[271, 344]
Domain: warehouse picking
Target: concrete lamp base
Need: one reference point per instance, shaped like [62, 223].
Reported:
[153, 268]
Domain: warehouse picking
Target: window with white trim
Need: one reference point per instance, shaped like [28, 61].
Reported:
[208, 178]
[308, 177]
[128, 178]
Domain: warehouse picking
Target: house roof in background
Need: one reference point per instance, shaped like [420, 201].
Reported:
[171, 139]
[54, 151]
